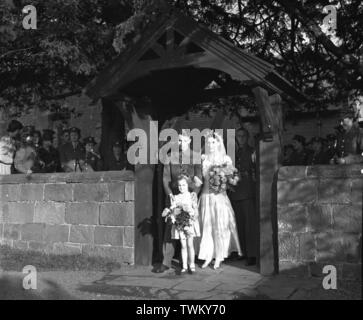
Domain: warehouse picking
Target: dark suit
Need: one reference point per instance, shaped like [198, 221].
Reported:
[243, 203]
[298, 158]
[314, 158]
[50, 158]
[170, 176]
[114, 164]
[68, 152]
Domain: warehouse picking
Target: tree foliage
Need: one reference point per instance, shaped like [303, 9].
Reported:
[75, 39]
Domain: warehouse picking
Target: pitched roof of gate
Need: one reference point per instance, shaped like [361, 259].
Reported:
[251, 69]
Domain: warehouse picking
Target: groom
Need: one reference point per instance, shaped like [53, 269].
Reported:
[243, 198]
[170, 176]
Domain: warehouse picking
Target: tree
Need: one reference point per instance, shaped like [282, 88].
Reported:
[76, 38]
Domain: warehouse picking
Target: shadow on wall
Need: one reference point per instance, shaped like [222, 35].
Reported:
[11, 288]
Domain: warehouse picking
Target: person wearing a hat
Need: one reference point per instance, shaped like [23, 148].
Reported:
[117, 161]
[48, 154]
[8, 146]
[72, 154]
[350, 140]
[26, 160]
[92, 158]
[298, 157]
[330, 147]
[317, 155]
[288, 151]
[37, 140]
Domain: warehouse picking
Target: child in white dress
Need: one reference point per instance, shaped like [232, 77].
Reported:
[188, 202]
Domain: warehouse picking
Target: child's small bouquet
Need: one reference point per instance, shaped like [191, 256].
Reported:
[180, 215]
[223, 177]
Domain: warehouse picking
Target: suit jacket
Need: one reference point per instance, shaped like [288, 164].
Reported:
[172, 171]
[68, 153]
[246, 187]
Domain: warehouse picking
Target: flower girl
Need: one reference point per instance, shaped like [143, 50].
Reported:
[183, 213]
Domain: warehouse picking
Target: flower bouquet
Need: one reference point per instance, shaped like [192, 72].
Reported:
[222, 177]
[180, 216]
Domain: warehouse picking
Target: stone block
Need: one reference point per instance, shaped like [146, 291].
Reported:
[291, 173]
[31, 192]
[337, 247]
[82, 234]
[352, 271]
[334, 191]
[12, 231]
[288, 246]
[90, 192]
[109, 236]
[66, 249]
[319, 217]
[21, 245]
[129, 237]
[357, 191]
[297, 192]
[33, 232]
[10, 192]
[82, 213]
[20, 213]
[56, 233]
[292, 219]
[347, 218]
[40, 246]
[58, 192]
[4, 211]
[130, 191]
[117, 191]
[307, 247]
[49, 212]
[120, 254]
[117, 214]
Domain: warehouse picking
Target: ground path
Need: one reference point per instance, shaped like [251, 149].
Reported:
[232, 281]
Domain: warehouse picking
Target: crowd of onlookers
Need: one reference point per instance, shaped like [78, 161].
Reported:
[343, 147]
[26, 150]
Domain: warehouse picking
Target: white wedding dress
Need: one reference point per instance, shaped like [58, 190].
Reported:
[219, 235]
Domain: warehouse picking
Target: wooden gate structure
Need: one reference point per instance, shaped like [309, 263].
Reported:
[164, 73]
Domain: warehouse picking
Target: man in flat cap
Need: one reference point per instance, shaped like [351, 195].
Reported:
[92, 158]
[317, 155]
[299, 156]
[350, 140]
[117, 161]
[48, 154]
[72, 154]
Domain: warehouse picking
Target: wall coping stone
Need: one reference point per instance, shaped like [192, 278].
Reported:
[72, 177]
[318, 172]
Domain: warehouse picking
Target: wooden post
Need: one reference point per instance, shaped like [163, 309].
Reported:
[269, 156]
[144, 176]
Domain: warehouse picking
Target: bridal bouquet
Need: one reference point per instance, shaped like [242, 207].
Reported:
[180, 216]
[222, 177]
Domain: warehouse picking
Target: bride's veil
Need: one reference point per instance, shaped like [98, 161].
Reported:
[220, 151]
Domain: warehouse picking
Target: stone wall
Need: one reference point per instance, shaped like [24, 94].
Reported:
[69, 213]
[320, 218]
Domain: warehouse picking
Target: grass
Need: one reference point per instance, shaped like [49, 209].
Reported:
[12, 259]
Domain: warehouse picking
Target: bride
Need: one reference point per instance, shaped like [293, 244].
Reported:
[217, 219]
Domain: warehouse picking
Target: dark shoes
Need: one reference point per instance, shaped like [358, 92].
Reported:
[162, 269]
